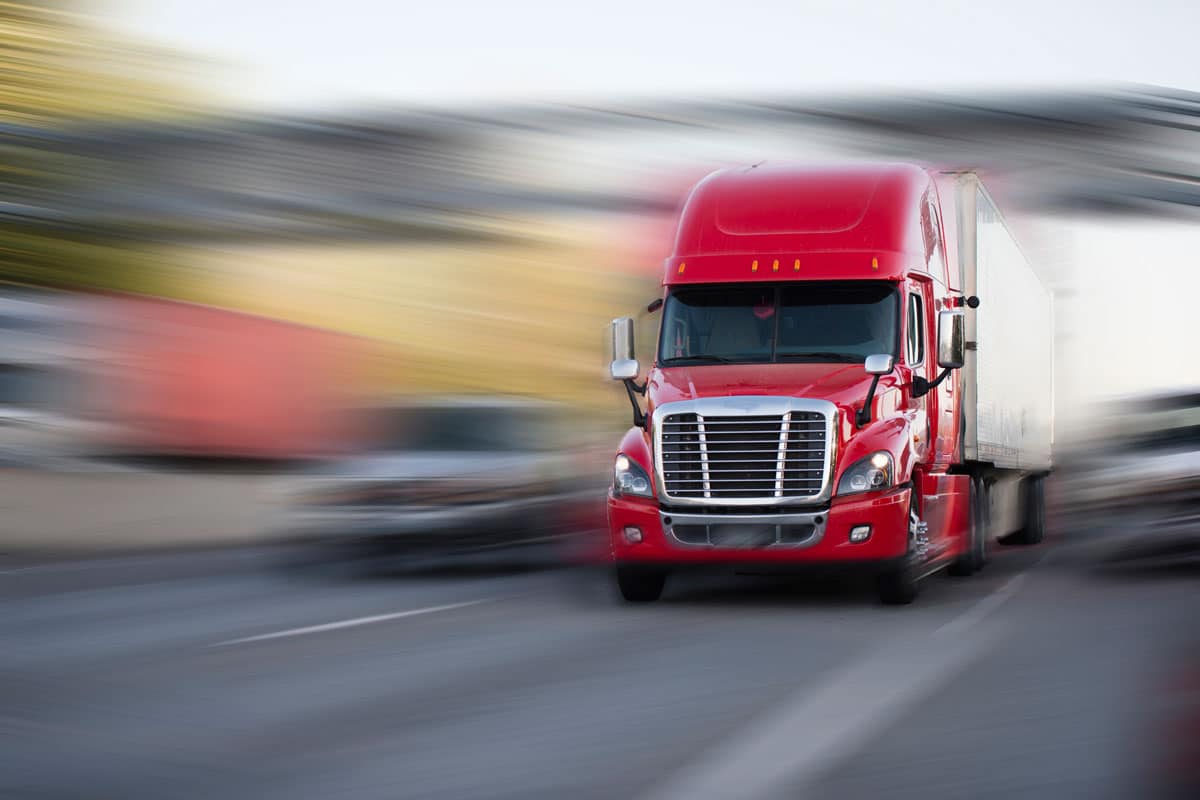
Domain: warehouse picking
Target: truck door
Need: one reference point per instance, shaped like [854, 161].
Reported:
[944, 413]
[918, 359]
[931, 501]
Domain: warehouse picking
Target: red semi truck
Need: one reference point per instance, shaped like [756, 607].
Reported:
[824, 391]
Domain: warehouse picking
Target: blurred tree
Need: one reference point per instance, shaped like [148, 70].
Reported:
[57, 67]
[62, 79]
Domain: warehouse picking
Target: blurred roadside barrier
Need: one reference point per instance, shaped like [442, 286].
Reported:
[74, 512]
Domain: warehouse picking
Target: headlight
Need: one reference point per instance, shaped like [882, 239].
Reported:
[629, 478]
[868, 474]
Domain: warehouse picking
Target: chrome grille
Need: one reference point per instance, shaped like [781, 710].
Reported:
[744, 457]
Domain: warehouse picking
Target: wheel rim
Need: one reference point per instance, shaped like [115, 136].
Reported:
[918, 541]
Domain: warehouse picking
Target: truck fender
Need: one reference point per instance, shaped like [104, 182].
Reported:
[893, 435]
[636, 444]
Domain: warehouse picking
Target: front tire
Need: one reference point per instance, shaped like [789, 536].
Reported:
[900, 585]
[640, 584]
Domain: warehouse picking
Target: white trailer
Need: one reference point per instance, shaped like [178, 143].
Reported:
[1008, 377]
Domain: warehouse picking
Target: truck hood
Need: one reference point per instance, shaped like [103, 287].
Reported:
[842, 384]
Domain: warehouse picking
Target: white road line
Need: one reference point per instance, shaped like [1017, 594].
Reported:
[973, 615]
[820, 727]
[78, 566]
[348, 623]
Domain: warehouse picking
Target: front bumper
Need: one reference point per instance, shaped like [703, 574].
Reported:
[828, 543]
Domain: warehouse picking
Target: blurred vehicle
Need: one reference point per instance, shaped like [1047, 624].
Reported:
[1134, 495]
[442, 477]
[820, 395]
[184, 380]
[40, 364]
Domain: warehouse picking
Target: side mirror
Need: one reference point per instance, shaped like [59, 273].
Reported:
[624, 364]
[951, 350]
[879, 364]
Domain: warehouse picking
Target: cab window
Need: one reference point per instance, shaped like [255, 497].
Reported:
[916, 330]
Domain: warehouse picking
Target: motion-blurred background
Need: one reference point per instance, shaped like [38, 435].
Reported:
[232, 233]
[225, 223]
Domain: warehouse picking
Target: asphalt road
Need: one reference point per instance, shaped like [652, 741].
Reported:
[214, 675]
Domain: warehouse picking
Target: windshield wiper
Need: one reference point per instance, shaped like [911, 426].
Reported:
[700, 359]
[819, 355]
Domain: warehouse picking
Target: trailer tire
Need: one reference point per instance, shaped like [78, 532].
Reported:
[1034, 511]
[640, 584]
[975, 558]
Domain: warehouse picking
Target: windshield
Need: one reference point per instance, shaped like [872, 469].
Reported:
[25, 386]
[799, 322]
[472, 428]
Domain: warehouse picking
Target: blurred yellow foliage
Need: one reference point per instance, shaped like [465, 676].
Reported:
[55, 67]
[59, 72]
[526, 314]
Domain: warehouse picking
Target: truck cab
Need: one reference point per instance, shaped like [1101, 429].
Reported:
[804, 404]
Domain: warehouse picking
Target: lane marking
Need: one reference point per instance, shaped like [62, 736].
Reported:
[78, 566]
[347, 623]
[118, 562]
[976, 613]
[818, 728]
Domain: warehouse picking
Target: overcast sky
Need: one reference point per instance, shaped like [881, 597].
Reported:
[315, 53]
[1120, 336]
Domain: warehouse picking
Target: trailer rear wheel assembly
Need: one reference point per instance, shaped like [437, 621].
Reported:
[1033, 512]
